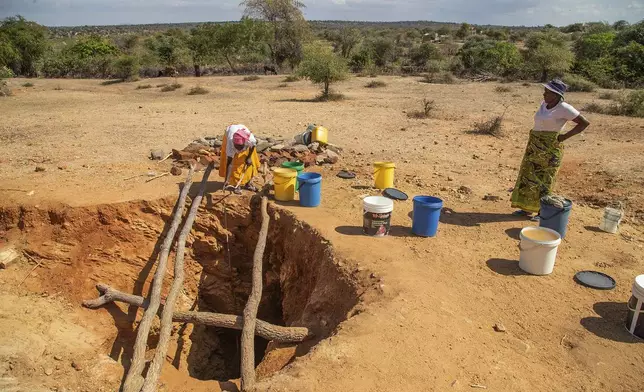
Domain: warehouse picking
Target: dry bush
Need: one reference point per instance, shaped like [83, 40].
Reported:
[5, 91]
[198, 90]
[171, 87]
[595, 107]
[376, 84]
[28, 84]
[330, 97]
[439, 78]
[291, 79]
[503, 89]
[630, 105]
[58, 88]
[578, 84]
[608, 95]
[250, 78]
[143, 86]
[162, 85]
[428, 106]
[526, 84]
[281, 85]
[111, 82]
[492, 127]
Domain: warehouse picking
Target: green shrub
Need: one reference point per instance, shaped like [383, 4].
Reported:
[5, 72]
[171, 87]
[322, 66]
[578, 84]
[291, 79]
[28, 84]
[376, 84]
[498, 58]
[250, 78]
[630, 105]
[420, 55]
[126, 67]
[198, 90]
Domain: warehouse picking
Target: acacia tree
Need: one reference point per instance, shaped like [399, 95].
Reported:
[322, 66]
[170, 48]
[22, 44]
[345, 40]
[201, 44]
[290, 28]
[548, 54]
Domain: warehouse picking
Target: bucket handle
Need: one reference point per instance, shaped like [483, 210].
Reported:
[633, 309]
[282, 183]
[561, 211]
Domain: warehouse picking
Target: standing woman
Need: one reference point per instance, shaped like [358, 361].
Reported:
[239, 162]
[544, 153]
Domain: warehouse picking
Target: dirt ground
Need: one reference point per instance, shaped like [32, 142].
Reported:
[431, 326]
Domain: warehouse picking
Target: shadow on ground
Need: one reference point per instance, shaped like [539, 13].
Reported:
[395, 231]
[472, 219]
[611, 322]
[505, 267]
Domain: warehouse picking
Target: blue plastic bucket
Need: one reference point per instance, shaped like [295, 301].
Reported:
[310, 189]
[555, 218]
[427, 212]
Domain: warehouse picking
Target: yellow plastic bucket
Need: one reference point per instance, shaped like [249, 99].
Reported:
[320, 135]
[284, 183]
[384, 174]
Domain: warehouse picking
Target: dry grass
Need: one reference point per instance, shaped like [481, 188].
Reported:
[111, 82]
[171, 87]
[282, 85]
[330, 97]
[250, 78]
[631, 105]
[143, 86]
[28, 84]
[428, 106]
[5, 91]
[58, 88]
[608, 95]
[161, 85]
[578, 84]
[291, 79]
[503, 89]
[376, 84]
[198, 90]
[491, 127]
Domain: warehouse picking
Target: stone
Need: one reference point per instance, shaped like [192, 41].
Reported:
[157, 155]
[48, 371]
[261, 147]
[62, 167]
[315, 146]
[216, 143]
[320, 159]
[435, 143]
[176, 171]
[58, 357]
[8, 256]
[277, 147]
[498, 327]
[77, 366]
[40, 169]
[465, 190]
[336, 149]
[450, 179]
[270, 139]
[331, 157]
[491, 198]
[300, 148]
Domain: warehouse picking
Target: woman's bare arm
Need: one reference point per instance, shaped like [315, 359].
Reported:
[582, 124]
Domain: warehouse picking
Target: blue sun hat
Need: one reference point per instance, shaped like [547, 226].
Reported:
[556, 86]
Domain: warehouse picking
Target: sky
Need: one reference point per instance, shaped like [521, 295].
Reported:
[498, 12]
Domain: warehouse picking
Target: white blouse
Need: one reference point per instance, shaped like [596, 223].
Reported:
[553, 120]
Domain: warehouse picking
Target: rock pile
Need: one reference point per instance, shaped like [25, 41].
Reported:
[271, 150]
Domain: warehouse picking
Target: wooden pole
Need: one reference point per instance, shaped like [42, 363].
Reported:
[134, 379]
[265, 330]
[250, 311]
[150, 383]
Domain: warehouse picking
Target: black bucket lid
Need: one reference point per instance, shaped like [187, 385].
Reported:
[595, 280]
[347, 175]
[395, 194]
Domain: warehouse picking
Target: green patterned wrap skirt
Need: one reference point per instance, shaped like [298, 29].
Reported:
[538, 172]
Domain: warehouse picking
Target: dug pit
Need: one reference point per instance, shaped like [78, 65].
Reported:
[305, 283]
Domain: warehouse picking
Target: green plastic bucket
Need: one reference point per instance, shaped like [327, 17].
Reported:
[299, 166]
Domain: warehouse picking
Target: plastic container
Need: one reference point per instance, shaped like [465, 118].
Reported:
[384, 174]
[538, 250]
[299, 166]
[284, 183]
[635, 317]
[376, 215]
[427, 212]
[320, 135]
[310, 189]
[611, 220]
[555, 218]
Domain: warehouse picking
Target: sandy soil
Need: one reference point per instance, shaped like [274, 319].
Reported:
[432, 329]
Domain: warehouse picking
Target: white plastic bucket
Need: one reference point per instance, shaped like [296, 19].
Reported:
[611, 220]
[635, 318]
[376, 215]
[538, 250]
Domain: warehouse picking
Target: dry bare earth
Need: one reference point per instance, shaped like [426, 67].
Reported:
[432, 328]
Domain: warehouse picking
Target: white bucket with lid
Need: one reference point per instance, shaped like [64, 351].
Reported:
[538, 250]
[376, 215]
[635, 319]
[611, 220]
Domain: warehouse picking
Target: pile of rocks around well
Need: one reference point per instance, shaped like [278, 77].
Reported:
[273, 151]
